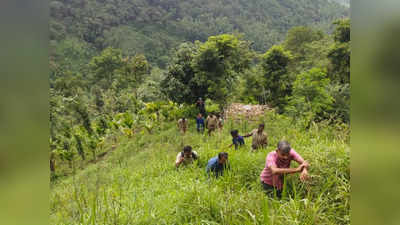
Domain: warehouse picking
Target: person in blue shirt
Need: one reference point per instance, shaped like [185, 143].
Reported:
[200, 123]
[218, 164]
[237, 140]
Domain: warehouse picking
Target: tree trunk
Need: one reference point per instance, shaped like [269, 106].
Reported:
[52, 165]
[94, 154]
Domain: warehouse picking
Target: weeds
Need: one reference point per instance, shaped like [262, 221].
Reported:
[138, 183]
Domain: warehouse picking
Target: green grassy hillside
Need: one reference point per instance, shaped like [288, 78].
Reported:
[137, 183]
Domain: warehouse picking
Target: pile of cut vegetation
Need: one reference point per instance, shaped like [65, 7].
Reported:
[245, 111]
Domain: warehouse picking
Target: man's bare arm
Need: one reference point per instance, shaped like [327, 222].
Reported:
[179, 162]
[248, 135]
[301, 161]
[276, 170]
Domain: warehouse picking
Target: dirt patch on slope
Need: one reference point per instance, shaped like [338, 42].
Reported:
[245, 111]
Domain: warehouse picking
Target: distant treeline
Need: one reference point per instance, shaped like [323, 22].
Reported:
[154, 27]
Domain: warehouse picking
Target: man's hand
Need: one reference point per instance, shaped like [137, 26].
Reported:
[304, 175]
[181, 160]
[300, 168]
[305, 164]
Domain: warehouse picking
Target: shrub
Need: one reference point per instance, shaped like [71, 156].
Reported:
[310, 99]
[212, 107]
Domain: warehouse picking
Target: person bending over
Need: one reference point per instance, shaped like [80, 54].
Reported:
[218, 164]
[278, 164]
[237, 140]
[187, 156]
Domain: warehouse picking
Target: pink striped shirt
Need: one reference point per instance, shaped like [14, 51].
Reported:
[273, 160]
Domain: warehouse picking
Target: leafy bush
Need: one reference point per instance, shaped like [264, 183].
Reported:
[341, 104]
[187, 111]
[311, 99]
[276, 77]
[212, 107]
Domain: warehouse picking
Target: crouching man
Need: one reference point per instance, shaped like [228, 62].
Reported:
[278, 164]
[218, 164]
[187, 156]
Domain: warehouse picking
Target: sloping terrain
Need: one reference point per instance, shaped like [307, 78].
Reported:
[137, 183]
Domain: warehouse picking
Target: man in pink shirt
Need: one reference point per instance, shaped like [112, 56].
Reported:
[278, 164]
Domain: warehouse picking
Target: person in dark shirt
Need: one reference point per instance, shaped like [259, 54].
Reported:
[200, 123]
[237, 140]
[201, 106]
[218, 164]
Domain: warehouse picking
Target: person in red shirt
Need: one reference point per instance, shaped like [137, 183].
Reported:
[278, 164]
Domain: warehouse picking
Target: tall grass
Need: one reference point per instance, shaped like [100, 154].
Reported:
[138, 183]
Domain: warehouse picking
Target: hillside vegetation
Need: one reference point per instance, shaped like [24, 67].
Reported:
[138, 183]
[307, 78]
[124, 72]
[154, 28]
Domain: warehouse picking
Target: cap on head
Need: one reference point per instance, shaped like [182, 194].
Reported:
[284, 147]
[262, 125]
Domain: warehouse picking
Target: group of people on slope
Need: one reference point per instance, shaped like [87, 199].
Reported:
[277, 162]
[213, 122]
[215, 165]
[260, 139]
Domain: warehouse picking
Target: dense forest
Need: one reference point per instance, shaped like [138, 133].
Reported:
[123, 73]
[79, 29]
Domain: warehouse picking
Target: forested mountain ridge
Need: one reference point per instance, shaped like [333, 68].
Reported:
[155, 27]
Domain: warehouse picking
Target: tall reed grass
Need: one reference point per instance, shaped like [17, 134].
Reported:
[138, 183]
